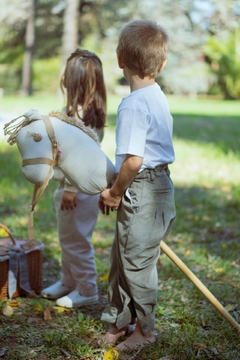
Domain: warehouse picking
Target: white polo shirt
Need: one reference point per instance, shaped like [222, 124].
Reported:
[144, 128]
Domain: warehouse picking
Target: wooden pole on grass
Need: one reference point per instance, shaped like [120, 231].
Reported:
[199, 285]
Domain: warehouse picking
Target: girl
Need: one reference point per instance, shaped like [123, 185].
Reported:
[76, 212]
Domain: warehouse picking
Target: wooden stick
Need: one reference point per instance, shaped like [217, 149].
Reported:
[199, 285]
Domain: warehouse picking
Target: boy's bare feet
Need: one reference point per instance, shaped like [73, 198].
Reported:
[136, 340]
[113, 334]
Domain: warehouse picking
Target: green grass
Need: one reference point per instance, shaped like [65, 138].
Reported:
[19, 104]
[205, 236]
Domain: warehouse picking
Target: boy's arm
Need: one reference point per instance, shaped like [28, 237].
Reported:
[111, 198]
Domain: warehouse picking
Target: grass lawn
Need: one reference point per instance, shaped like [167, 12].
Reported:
[206, 236]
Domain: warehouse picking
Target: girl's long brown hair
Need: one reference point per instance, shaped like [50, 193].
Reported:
[85, 87]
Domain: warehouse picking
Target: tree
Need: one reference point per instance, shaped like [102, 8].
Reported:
[95, 24]
[224, 59]
[70, 28]
[26, 88]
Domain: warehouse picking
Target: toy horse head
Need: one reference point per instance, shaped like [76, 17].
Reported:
[34, 145]
[48, 143]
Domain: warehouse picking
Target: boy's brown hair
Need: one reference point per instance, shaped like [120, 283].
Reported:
[83, 80]
[143, 47]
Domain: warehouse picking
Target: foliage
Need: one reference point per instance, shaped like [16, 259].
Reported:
[189, 24]
[46, 75]
[10, 72]
[205, 236]
[224, 58]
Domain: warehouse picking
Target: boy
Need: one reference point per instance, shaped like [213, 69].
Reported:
[143, 192]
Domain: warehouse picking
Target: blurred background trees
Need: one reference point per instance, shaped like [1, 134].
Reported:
[204, 50]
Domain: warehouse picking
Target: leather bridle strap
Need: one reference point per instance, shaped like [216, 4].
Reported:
[38, 189]
[35, 161]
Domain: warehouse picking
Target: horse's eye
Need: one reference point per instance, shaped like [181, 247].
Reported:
[36, 137]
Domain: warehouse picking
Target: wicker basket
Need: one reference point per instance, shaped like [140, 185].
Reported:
[33, 250]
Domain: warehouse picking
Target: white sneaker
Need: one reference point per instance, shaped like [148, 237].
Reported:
[74, 299]
[56, 290]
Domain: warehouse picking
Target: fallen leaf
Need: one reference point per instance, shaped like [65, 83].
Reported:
[235, 264]
[34, 351]
[203, 321]
[8, 310]
[12, 303]
[111, 354]
[184, 300]
[22, 305]
[230, 307]
[219, 270]
[38, 307]
[47, 314]
[104, 277]
[60, 309]
[188, 252]
[3, 232]
[200, 346]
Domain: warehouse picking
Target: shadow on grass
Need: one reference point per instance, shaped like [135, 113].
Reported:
[222, 132]
[209, 219]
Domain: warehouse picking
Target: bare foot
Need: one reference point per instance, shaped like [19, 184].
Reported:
[112, 335]
[136, 340]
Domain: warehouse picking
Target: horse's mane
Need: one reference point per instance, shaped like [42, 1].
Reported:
[13, 128]
[71, 120]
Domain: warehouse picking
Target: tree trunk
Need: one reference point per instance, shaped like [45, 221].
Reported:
[26, 87]
[70, 29]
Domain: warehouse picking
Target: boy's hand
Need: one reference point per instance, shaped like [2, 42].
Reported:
[107, 202]
[68, 200]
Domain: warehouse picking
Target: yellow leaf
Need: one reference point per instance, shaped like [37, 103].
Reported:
[3, 232]
[104, 277]
[60, 309]
[38, 307]
[12, 303]
[111, 354]
[188, 252]
[219, 270]
[8, 310]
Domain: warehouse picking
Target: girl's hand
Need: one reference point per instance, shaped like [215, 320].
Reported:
[68, 200]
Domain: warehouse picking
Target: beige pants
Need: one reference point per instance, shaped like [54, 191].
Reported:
[75, 228]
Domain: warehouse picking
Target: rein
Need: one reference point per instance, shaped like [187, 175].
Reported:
[38, 189]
